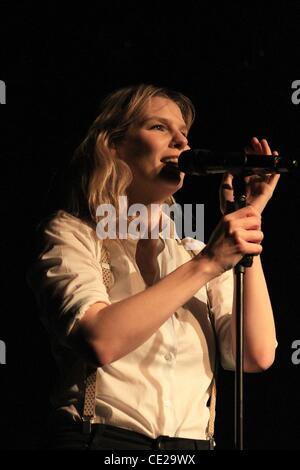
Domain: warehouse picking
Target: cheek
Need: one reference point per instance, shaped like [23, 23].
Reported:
[139, 151]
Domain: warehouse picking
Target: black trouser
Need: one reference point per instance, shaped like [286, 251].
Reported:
[105, 437]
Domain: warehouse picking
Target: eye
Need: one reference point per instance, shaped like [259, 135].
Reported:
[160, 127]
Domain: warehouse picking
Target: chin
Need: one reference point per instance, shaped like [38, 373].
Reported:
[168, 189]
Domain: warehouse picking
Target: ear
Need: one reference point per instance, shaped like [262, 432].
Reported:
[113, 147]
[115, 150]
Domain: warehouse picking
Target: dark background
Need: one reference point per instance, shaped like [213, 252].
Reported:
[237, 62]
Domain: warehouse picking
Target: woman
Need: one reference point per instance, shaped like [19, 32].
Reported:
[146, 330]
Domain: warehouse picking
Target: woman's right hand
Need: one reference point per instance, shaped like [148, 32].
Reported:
[237, 234]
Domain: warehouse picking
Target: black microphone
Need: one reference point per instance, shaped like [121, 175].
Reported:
[206, 162]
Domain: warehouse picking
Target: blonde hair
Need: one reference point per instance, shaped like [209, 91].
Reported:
[95, 176]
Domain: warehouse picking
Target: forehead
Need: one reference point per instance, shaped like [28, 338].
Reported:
[163, 107]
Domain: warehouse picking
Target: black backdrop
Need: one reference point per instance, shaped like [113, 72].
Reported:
[237, 62]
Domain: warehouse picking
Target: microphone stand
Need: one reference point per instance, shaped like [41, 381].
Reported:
[240, 201]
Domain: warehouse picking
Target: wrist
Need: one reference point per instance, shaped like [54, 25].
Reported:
[208, 266]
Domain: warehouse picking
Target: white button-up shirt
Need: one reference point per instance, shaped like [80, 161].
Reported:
[160, 388]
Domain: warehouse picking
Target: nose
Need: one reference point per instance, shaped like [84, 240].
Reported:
[179, 141]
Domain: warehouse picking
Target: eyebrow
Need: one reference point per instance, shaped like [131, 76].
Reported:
[165, 121]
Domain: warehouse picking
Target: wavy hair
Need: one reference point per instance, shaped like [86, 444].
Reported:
[95, 176]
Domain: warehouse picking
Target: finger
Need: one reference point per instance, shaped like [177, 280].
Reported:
[275, 177]
[226, 188]
[252, 248]
[227, 180]
[256, 145]
[248, 247]
[248, 211]
[250, 236]
[265, 147]
[247, 223]
[273, 180]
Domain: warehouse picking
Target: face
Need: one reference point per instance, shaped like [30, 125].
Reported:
[158, 136]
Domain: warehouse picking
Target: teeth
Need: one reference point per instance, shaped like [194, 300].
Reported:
[172, 160]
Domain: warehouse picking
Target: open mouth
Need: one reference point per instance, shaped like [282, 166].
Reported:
[172, 165]
[170, 161]
[170, 170]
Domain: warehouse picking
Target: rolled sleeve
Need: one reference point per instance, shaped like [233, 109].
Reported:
[67, 277]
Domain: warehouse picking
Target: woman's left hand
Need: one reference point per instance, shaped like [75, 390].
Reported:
[259, 188]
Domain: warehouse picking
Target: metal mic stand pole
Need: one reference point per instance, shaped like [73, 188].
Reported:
[239, 270]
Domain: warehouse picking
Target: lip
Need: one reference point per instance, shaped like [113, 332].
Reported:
[166, 160]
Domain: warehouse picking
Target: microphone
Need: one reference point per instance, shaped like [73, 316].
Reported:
[205, 162]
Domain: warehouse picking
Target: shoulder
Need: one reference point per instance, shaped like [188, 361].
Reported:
[64, 222]
[62, 228]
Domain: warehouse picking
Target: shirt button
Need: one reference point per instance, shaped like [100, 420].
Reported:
[169, 357]
[168, 403]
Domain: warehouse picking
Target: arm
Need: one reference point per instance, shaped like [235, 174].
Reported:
[107, 333]
[104, 333]
[259, 328]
